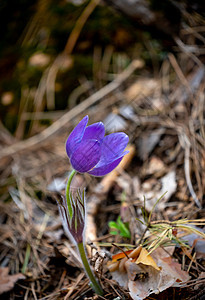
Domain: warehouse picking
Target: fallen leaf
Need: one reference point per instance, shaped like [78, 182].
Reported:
[145, 274]
[7, 281]
[146, 259]
[172, 272]
[120, 255]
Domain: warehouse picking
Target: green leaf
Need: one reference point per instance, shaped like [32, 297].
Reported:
[140, 221]
[124, 231]
[112, 224]
[122, 228]
[114, 232]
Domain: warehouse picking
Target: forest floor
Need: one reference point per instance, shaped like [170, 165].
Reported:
[163, 115]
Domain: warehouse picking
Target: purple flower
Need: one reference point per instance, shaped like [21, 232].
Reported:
[92, 152]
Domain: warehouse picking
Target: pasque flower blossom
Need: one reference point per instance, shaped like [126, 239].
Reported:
[91, 151]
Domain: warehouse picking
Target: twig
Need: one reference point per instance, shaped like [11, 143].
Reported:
[77, 92]
[38, 100]
[79, 25]
[188, 50]
[186, 145]
[120, 248]
[179, 72]
[79, 278]
[60, 59]
[55, 127]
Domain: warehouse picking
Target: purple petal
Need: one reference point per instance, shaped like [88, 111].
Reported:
[95, 131]
[86, 155]
[76, 136]
[105, 169]
[112, 147]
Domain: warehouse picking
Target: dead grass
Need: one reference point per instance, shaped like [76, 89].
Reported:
[166, 130]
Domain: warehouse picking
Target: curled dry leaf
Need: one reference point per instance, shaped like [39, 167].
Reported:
[143, 274]
[7, 281]
[146, 259]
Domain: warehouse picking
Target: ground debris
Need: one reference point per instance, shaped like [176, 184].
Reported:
[7, 281]
[164, 119]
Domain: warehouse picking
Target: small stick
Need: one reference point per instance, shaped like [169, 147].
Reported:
[121, 250]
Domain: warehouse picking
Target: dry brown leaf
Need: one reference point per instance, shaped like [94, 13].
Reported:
[146, 259]
[148, 274]
[7, 281]
[173, 271]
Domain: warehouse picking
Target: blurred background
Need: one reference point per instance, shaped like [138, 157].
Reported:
[136, 65]
[53, 54]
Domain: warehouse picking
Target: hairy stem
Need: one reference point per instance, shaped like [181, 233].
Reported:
[95, 285]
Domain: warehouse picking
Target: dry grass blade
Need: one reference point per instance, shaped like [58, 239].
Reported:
[164, 233]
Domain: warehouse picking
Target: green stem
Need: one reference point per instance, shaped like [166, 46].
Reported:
[95, 285]
[26, 260]
[68, 192]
